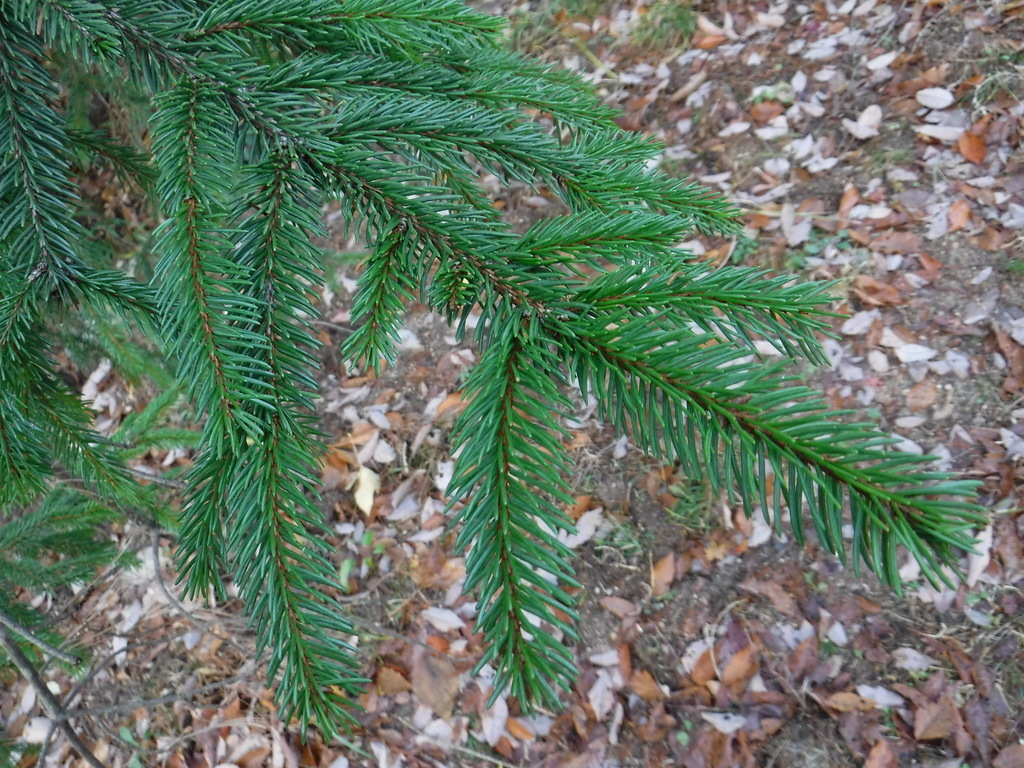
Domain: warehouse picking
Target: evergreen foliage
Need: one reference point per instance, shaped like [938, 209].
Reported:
[263, 110]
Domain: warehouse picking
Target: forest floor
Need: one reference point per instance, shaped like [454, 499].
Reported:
[876, 144]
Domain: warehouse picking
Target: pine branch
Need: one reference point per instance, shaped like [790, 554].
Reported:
[34, 184]
[732, 421]
[393, 106]
[735, 302]
[208, 320]
[378, 306]
[75, 26]
[24, 457]
[131, 166]
[285, 588]
[510, 472]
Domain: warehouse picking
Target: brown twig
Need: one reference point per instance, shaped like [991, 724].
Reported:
[50, 703]
[8, 623]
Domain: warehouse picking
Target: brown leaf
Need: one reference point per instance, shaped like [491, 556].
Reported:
[643, 684]
[254, 758]
[662, 574]
[897, 242]
[657, 726]
[882, 756]
[581, 505]
[619, 607]
[433, 569]
[579, 440]
[936, 719]
[780, 598]
[803, 659]
[625, 660]
[707, 42]
[390, 680]
[764, 111]
[922, 395]
[971, 146]
[930, 266]
[991, 239]
[847, 701]
[876, 293]
[959, 215]
[704, 670]
[740, 667]
[1011, 757]
[849, 199]
[436, 683]
[519, 730]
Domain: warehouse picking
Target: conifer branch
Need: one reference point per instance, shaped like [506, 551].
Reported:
[732, 420]
[511, 475]
[378, 307]
[39, 205]
[285, 589]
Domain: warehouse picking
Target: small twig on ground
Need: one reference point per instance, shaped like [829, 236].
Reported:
[9, 623]
[81, 684]
[463, 750]
[50, 703]
[167, 593]
[129, 706]
[202, 623]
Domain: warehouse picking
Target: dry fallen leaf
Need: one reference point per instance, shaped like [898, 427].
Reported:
[435, 683]
[971, 146]
[882, 698]
[1011, 757]
[847, 701]
[367, 485]
[874, 293]
[662, 574]
[519, 730]
[959, 215]
[704, 671]
[619, 607]
[741, 667]
[978, 561]
[764, 111]
[915, 353]
[946, 133]
[724, 722]
[934, 98]
[922, 395]
[849, 199]
[882, 756]
[390, 680]
[897, 242]
[936, 719]
[911, 660]
[451, 406]
[867, 123]
[711, 41]
[780, 598]
[443, 619]
[643, 684]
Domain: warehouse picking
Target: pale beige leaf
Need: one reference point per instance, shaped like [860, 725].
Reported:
[367, 485]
